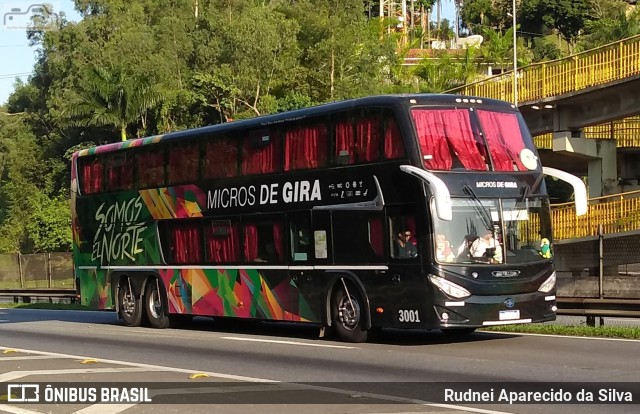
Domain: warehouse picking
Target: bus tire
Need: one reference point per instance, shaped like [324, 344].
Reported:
[347, 315]
[154, 305]
[458, 331]
[130, 304]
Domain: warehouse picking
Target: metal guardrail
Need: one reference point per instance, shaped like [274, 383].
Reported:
[39, 293]
[618, 308]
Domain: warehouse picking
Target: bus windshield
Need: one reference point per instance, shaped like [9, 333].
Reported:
[494, 231]
[477, 140]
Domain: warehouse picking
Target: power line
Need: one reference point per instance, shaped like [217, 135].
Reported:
[13, 75]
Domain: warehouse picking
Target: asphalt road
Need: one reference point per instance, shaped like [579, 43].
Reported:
[400, 372]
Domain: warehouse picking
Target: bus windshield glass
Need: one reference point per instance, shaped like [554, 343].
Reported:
[494, 231]
[476, 140]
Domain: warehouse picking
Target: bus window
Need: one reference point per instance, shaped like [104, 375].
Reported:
[263, 241]
[393, 145]
[184, 163]
[305, 147]
[402, 229]
[504, 138]
[186, 245]
[357, 237]
[447, 140]
[261, 152]
[150, 168]
[120, 171]
[222, 241]
[300, 237]
[221, 158]
[357, 138]
[91, 172]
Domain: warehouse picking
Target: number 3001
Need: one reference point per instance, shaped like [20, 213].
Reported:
[405, 315]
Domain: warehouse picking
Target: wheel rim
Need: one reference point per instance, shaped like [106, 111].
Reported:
[349, 312]
[128, 301]
[155, 304]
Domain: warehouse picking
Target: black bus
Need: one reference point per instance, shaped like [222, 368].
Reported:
[406, 211]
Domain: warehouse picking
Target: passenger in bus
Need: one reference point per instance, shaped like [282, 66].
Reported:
[443, 249]
[486, 249]
[464, 251]
[404, 247]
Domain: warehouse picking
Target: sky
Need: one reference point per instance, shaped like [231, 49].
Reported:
[17, 58]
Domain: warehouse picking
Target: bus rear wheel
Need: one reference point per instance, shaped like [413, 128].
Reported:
[347, 315]
[130, 304]
[155, 309]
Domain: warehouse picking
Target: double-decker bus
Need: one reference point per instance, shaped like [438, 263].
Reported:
[409, 211]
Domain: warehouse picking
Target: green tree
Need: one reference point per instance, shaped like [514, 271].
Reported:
[610, 28]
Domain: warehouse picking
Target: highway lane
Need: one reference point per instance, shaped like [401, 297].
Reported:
[293, 353]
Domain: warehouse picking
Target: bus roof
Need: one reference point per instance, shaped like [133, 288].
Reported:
[265, 120]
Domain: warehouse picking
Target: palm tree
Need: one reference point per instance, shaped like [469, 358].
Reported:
[111, 96]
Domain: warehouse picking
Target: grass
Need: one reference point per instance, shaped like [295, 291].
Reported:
[590, 331]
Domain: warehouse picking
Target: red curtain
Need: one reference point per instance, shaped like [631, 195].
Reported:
[504, 138]
[393, 145]
[345, 151]
[185, 243]
[221, 159]
[250, 242]
[439, 131]
[376, 235]
[91, 177]
[259, 157]
[433, 143]
[277, 239]
[305, 148]
[120, 172]
[223, 248]
[183, 164]
[151, 169]
[367, 146]
[459, 133]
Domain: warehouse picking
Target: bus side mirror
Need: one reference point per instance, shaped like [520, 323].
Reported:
[438, 189]
[579, 189]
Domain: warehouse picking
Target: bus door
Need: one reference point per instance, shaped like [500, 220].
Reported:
[405, 281]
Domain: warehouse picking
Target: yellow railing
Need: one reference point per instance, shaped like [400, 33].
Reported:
[625, 131]
[598, 66]
[616, 213]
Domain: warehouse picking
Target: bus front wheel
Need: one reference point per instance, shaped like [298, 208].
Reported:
[347, 315]
[156, 312]
[130, 304]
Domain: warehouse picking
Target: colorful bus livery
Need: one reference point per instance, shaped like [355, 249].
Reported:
[408, 211]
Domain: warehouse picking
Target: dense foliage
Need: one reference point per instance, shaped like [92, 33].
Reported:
[131, 69]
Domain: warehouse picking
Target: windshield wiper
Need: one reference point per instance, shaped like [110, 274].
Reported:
[480, 209]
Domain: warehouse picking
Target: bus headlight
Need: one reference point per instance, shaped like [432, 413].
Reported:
[449, 288]
[548, 284]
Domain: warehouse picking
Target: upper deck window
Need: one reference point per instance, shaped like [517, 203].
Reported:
[221, 158]
[446, 136]
[184, 162]
[393, 145]
[505, 139]
[261, 152]
[357, 138]
[91, 172]
[120, 171]
[151, 168]
[305, 147]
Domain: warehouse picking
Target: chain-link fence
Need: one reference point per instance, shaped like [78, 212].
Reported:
[599, 267]
[36, 271]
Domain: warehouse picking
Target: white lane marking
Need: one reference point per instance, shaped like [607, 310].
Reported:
[264, 380]
[13, 375]
[274, 341]
[592, 338]
[26, 358]
[16, 410]
[105, 409]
